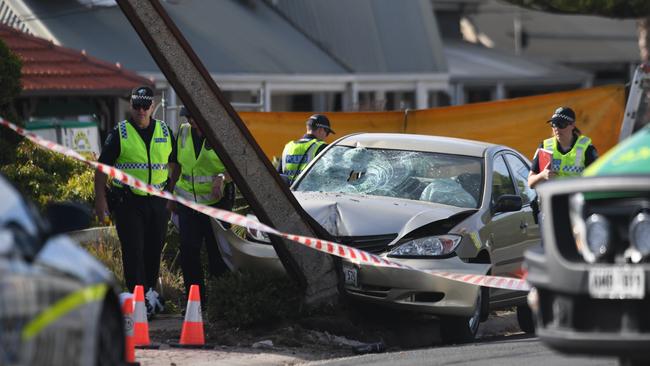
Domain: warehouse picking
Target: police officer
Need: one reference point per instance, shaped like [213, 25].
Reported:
[572, 151]
[144, 148]
[297, 154]
[203, 179]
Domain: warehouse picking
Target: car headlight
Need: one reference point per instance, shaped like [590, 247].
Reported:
[598, 235]
[593, 235]
[640, 233]
[427, 247]
[256, 235]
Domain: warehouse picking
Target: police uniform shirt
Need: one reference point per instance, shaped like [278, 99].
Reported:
[307, 136]
[590, 155]
[111, 148]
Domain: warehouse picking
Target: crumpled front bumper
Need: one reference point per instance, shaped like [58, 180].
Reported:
[417, 291]
[239, 253]
[404, 289]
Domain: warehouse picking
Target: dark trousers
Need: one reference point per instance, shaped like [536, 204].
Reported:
[195, 230]
[141, 223]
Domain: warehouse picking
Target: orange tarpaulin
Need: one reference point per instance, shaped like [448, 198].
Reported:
[273, 130]
[518, 123]
[521, 123]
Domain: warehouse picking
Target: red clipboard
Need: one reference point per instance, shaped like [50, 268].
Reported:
[544, 158]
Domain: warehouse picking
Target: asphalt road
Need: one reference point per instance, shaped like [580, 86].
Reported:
[516, 350]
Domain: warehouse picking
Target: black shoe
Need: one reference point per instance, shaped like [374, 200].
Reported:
[150, 309]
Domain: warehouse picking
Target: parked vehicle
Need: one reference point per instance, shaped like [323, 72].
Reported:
[591, 278]
[58, 305]
[428, 202]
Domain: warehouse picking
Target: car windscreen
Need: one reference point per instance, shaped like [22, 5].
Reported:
[454, 180]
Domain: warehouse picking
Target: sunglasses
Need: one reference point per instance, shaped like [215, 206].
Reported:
[137, 106]
[560, 124]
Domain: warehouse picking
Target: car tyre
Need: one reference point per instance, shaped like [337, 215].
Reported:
[461, 329]
[110, 335]
[526, 319]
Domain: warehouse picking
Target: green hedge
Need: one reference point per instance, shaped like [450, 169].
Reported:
[46, 177]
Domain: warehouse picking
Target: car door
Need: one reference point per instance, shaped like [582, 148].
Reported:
[504, 230]
[519, 170]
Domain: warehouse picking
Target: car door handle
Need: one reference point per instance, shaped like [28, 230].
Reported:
[523, 225]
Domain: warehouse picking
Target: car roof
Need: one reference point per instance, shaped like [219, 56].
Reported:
[403, 141]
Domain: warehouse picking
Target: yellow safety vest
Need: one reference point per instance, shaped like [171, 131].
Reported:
[572, 163]
[297, 154]
[134, 159]
[197, 174]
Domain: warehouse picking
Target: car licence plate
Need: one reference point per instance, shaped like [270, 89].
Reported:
[350, 276]
[617, 282]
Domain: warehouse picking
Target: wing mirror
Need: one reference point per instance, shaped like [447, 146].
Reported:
[508, 203]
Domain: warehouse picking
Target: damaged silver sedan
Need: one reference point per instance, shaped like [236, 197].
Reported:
[431, 203]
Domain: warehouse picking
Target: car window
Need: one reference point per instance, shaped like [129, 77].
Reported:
[501, 181]
[432, 177]
[520, 174]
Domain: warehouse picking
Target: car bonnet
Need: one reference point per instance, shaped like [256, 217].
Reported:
[344, 214]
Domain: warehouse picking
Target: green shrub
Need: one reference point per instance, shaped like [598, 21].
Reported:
[45, 176]
[243, 299]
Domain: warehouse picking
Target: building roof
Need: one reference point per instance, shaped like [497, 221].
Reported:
[475, 64]
[230, 37]
[49, 69]
[372, 36]
[559, 38]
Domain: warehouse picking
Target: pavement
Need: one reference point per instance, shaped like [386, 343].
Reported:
[263, 350]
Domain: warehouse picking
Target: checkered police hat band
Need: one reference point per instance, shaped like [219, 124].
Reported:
[562, 116]
[141, 98]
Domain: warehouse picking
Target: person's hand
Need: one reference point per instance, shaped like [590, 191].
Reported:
[217, 187]
[171, 206]
[547, 173]
[101, 209]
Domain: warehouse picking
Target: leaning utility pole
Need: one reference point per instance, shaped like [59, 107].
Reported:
[256, 178]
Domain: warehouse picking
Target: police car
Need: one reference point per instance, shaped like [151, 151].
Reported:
[58, 305]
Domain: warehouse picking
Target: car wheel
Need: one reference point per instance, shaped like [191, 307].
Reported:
[110, 334]
[526, 319]
[460, 329]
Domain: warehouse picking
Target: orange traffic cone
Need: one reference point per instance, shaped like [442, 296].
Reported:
[192, 333]
[129, 351]
[141, 326]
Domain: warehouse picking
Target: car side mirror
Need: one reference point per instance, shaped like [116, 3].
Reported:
[67, 216]
[508, 203]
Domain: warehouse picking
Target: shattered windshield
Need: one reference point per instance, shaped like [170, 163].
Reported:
[431, 177]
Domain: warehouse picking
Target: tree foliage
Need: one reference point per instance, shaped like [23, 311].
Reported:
[10, 66]
[607, 8]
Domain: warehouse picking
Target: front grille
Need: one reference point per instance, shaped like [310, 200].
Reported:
[370, 290]
[619, 211]
[375, 244]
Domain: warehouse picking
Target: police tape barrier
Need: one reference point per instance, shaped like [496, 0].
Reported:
[354, 255]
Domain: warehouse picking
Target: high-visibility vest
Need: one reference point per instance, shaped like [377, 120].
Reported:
[197, 174]
[572, 163]
[297, 154]
[134, 159]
